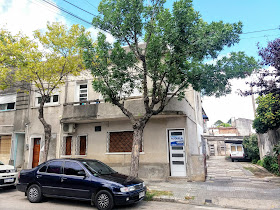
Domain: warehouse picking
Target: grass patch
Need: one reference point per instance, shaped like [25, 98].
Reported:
[257, 172]
[253, 170]
[189, 197]
[150, 194]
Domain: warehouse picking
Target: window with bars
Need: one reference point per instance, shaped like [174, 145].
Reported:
[121, 141]
[81, 146]
[83, 92]
[67, 145]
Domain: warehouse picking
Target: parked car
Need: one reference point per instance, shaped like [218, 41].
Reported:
[83, 179]
[8, 175]
[237, 152]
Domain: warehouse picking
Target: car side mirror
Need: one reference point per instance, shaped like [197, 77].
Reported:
[81, 173]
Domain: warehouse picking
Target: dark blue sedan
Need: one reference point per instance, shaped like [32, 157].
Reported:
[82, 179]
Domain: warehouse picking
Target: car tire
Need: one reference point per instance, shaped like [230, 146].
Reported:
[34, 194]
[232, 160]
[104, 200]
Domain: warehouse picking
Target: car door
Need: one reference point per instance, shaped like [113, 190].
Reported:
[49, 177]
[76, 182]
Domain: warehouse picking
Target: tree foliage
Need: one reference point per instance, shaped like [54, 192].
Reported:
[165, 53]
[43, 62]
[267, 113]
[268, 79]
[250, 144]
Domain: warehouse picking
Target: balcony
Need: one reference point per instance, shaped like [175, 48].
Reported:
[95, 110]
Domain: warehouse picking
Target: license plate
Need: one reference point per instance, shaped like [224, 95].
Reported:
[9, 180]
[141, 194]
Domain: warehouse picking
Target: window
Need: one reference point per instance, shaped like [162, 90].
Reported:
[5, 145]
[52, 100]
[54, 167]
[67, 145]
[43, 169]
[71, 168]
[83, 92]
[7, 102]
[81, 145]
[233, 148]
[121, 141]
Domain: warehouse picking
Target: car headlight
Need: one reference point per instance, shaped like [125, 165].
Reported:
[12, 170]
[143, 184]
[127, 189]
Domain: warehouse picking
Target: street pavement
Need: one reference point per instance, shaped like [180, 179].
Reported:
[11, 199]
[228, 184]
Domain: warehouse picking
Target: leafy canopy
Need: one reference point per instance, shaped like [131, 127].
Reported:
[165, 52]
[44, 61]
[268, 113]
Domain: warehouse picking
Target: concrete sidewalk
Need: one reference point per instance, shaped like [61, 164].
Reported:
[228, 184]
[231, 194]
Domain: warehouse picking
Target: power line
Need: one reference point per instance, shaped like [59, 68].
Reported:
[91, 5]
[79, 8]
[69, 13]
[260, 36]
[272, 29]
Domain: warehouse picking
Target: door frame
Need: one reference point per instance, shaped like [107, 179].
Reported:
[30, 147]
[168, 149]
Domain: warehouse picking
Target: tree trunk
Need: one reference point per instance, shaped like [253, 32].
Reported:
[47, 129]
[137, 144]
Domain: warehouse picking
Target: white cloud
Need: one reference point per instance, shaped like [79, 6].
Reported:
[232, 105]
[94, 32]
[27, 15]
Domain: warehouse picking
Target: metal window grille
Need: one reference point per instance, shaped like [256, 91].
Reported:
[63, 145]
[121, 141]
[81, 145]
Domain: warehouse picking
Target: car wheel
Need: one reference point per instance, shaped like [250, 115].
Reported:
[34, 194]
[232, 160]
[104, 200]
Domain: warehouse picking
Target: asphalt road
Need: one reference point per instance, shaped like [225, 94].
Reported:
[11, 199]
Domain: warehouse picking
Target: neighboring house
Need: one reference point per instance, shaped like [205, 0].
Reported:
[84, 126]
[219, 139]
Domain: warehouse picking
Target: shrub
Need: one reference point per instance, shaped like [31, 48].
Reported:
[251, 148]
[260, 163]
[271, 164]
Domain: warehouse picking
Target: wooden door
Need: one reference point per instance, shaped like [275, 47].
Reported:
[36, 152]
[83, 145]
[68, 145]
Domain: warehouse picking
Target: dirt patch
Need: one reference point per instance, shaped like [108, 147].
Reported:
[257, 171]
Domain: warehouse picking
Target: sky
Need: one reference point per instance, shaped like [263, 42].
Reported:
[256, 15]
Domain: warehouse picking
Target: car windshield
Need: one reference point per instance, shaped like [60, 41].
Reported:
[95, 166]
[1, 163]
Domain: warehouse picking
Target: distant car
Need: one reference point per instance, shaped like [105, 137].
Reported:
[83, 179]
[237, 152]
[8, 175]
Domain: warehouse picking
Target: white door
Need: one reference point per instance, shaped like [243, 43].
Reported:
[177, 152]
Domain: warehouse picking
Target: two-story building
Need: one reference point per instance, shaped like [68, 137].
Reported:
[86, 127]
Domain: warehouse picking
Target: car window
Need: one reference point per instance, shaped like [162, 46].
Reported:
[233, 148]
[99, 167]
[239, 148]
[1, 163]
[54, 167]
[72, 168]
[43, 169]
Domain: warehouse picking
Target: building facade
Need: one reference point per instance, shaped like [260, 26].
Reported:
[83, 126]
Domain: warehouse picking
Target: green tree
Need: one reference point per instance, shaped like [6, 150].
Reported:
[24, 63]
[267, 113]
[250, 144]
[176, 44]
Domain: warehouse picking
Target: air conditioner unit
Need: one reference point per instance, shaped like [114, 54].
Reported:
[69, 128]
